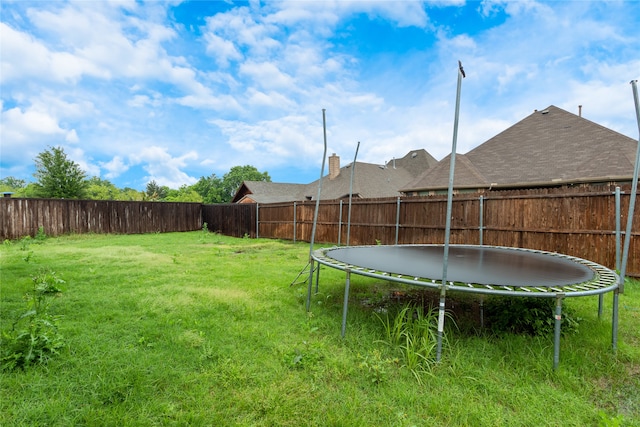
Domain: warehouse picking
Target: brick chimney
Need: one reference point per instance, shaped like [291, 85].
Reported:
[334, 166]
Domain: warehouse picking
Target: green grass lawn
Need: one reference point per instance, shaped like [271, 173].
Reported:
[201, 329]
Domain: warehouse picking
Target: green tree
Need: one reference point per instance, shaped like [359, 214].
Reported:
[102, 189]
[128, 193]
[184, 194]
[232, 180]
[12, 184]
[155, 191]
[209, 188]
[59, 177]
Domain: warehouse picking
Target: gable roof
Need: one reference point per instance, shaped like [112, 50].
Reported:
[549, 147]
[415, 162]
[268, 192]
[370, 181]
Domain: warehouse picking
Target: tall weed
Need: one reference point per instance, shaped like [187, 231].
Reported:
[33, 337]
[413, 332]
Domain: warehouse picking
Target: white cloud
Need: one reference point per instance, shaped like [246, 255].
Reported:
[24, 57]
[267, 75]
[79, 156]
[222, 50]
[72, 136]
[271, 99]
[115, 167]
[163, 168]
[24, 132]
[270, 142]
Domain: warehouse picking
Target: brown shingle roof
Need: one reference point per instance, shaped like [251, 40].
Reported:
[549, 147]
[370, 181]
[268, 192]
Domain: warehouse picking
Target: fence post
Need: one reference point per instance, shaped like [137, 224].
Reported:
[340, 224]
[257, 220]
[617, 193]
[617, 202]
[397, 220]
[294, 221]
[481, 219]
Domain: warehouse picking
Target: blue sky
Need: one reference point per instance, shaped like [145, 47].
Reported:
[172, 91]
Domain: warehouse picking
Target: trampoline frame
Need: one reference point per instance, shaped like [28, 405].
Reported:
[604, 280]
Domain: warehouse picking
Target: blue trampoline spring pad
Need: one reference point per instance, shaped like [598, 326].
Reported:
[483, 265]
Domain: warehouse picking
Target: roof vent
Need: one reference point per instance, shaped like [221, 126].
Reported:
[544, 111]
[414, 155]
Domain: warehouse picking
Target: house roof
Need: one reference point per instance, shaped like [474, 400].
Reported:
[549, 147]
[268, 192]
[370, 181]
[415, 162]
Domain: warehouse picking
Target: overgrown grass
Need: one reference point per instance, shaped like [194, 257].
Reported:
[205, 330]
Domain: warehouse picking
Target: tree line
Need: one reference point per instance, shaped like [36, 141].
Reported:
[58, 177]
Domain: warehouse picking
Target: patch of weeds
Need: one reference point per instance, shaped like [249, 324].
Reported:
[304, 357]
[25, 242]
[605, 421]
[321, 299]
[205, 232]
[48, 282]
[27, 258]
[375, 366]
[533, 316]
[207, 354]
[34, 337]
[40, 236]
[413, 332]
[231, 373]
[145, 342]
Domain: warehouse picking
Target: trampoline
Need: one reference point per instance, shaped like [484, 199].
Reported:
[489, 270]
[480, 269]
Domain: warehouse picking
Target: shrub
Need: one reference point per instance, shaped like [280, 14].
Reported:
[533, 316]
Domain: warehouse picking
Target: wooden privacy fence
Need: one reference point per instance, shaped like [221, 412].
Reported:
[579, 222]
[21, 217]
[236, 220]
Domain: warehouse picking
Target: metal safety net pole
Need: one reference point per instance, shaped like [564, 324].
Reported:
[353, 172]
[315, 215]
[634, 189]
[627, 235]
[447, 232]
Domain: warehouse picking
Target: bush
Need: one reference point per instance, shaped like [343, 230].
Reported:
[533, 316]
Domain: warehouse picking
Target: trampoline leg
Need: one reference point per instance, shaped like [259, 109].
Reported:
[346, 303]
[481, 310]
[600, 304]
[556, 335]
[614, 321]
[317, 277]
[440, 325]
[310, 284]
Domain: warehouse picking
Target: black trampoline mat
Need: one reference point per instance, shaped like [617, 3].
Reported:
[484, 265]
